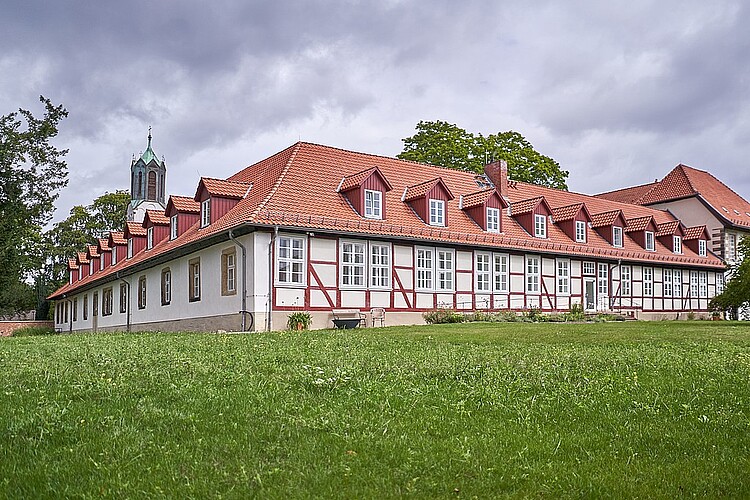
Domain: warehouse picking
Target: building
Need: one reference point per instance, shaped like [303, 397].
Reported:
[148, 177]
[317, 228]
[697, 198]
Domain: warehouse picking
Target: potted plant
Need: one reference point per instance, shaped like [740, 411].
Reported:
[299, 320]
[716, 316]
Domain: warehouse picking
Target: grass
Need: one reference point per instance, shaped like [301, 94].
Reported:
[471, 410]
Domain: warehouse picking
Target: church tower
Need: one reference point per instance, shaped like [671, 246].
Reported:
[148, 175]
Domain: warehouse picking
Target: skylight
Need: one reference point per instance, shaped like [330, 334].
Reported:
[725, 209]
[483, 181]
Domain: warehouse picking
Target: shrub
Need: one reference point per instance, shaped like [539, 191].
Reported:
[439, 316]
[30, 331]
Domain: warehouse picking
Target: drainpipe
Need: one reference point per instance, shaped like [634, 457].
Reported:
[244, 278]
[269, 322]
[127, 307]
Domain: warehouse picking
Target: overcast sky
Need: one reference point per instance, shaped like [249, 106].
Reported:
[618, 93]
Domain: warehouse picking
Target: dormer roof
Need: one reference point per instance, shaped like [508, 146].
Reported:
[133, 228]
[695, 233]
[569, 212]
[526, 206]
[92, 251]
[606, 218]
[480, 198]
[82, 258]
[156, 217]
[104, 244]
[418, 191]
[183, 204]
[668, 228]
[355, 180]
[72, 265]
[222, 188]
[639, 224]
[117, 238]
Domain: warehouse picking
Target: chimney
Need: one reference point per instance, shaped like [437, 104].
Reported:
[497, 171]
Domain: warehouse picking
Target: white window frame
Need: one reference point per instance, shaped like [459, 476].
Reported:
[101, 261]
[113, 259]
[150, 237]
[493, 220]
[173, 221]
[373, 204]
[667, 289]
[648, 281]
[602, 279]
[445, 270]
[296, 256]
[424, 266]
[166, 283]
[562, 276]
[482, 272]
[676, 244]
[626, 281]
[206, 212]
[500, 272]
[581, 231]
[91, 266]
[731, 253]
[617, 236]
[231, 261]
[130, 248]
[380, 266]
[589, 269]
[677, 283]
[702, 284]
[702, 248]
[693, 284]
[353, 264]
[650, 241]
[540, 226]
[437, 212]
[719, 283]
[533, 273]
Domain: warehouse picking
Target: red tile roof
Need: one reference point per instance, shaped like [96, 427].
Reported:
[185, 204]
[83, 258]
[104, 244]
[695, 232]
[157, 217]
[118, 237]
[296, 188]
[354, 180]
[638, 224]
[605, 218]
[223, 188]
[667, 228]
[93, 251]
[478, 198]
[525, 206]
[628, 195]
[567, 212]
[72, 265]
[135, 228]
[419, 190]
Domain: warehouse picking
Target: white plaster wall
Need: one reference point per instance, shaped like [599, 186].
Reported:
[464, 261]
[323, 249]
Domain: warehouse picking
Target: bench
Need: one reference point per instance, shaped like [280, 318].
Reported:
[348, 318]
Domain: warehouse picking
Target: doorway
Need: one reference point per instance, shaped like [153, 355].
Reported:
[589, 295]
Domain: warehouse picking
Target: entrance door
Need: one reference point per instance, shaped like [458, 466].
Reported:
[589, 297]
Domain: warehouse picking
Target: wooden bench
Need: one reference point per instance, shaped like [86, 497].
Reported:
[348, 318]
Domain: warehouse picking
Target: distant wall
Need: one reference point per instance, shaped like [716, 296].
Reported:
[8, 327]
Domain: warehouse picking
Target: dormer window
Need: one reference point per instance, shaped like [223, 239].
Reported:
[702, 248]
[581, 231]
[130, 248]
[206, 212]
[373, 204]
[617, 236]
[493, 220]
[676, 244]
[114, 255]
[650, 242]
[150, 237]
[540, 226]
[437, 212]
[173, 227]
[101, 262]
[91, 266]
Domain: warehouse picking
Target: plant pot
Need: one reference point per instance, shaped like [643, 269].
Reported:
[716, 318]
[300, 326]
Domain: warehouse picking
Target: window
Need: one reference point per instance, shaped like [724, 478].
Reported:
[424, 268]
[703, 284]
[501, 272]
[540, 226]
[65, 310]
[75, 309]
[603, 279]
[206, 212]
[85, 307]
[373, 204]
[166, 286]
[482, 272]
[693, 284]
[444, 270]
[437, 212]
[91, 266]
[114, 255]
[101, 261]
[589, 268]
[290, 260]
[625, 281]
[719, 283]
[667, 282]
[123, 298]
[676, 244]
[581, 231]
[650, 246]
[80, 272]
[142, 292]
[95, 304]
[173, 227]
[229, 271]
[493, 220]
[352, 264]
[380, 265]
[617, 236]
[532, 273]
[194, 280]
[677, 283]
[107, 301]
[130, 248]
[150, 237]
[648, 281]
[731, 247]
[702, 248]
[563, 277]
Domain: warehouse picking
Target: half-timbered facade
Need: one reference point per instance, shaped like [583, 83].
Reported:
[321, 229]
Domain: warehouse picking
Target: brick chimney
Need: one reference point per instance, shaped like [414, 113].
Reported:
[497, 171]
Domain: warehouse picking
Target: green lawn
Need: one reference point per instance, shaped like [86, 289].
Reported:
[472, 410]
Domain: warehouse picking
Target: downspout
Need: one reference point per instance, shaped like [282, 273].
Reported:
[127, 286]
[244, 279]
[269, 321]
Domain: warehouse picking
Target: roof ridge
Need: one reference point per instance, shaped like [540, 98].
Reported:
[627, 188]
[278, 182]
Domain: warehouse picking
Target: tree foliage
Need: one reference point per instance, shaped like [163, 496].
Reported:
[736, 293]
[445, 144]
[82, 227]
[32, 171]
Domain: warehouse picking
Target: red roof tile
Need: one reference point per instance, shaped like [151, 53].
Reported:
[157, 217]
[567, 212]
[525, 206]
[638, 224]
[605, 218]
[83, 258]
[93, 251]
[185, 204]
[357, 179]
[222, 188]
[104, 244]
[419, 190]
[695, 232]
[118, 237]
[478, 198]
[72, 265]
[667, 228]
[628, 195]
[134, 229]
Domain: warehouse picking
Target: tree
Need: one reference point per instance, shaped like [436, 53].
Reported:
[82, 227]
[32, 171]
[736, 293]
[445, 144]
